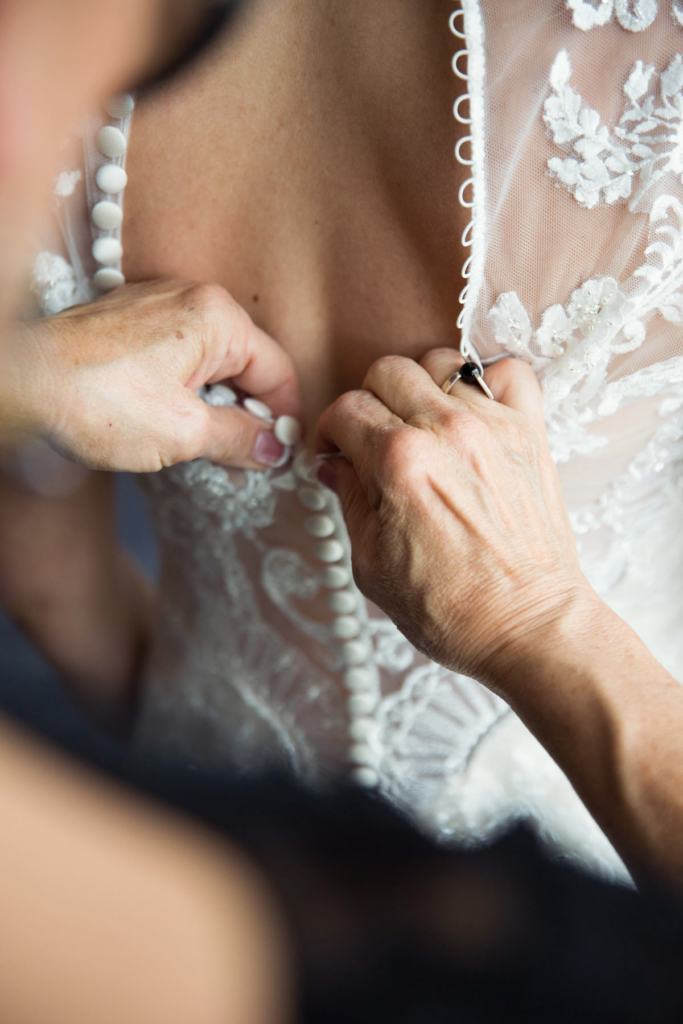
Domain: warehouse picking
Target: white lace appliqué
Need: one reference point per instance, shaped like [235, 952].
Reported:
[54, 283]
[600, 321]
[633, 15]
[606, 165]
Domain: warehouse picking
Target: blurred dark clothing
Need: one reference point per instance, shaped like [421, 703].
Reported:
[388, 926]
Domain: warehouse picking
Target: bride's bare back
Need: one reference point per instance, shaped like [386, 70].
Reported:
[308, 167]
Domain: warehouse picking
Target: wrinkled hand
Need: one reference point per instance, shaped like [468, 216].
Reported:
[112, 383]
[458, 527]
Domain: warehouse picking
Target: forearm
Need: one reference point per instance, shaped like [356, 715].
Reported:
[612, 718]
[68, 584]
[114, 909]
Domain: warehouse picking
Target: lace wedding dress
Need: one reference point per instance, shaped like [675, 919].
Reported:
[573, 127]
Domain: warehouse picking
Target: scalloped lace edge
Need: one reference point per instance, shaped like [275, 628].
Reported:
[466, 25]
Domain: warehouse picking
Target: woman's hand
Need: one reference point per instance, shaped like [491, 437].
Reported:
[112, 383]
[453, 505]
[459, 531]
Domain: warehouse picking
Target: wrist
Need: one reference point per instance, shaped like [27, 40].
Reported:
[24, 385]
[565, 635]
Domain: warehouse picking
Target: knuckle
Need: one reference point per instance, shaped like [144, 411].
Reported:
[189, 434]
[402, 457]
[211, 300]
[471, 433]
[439, 355]
[347, 405]
[385, 366]
[463, 428]
[451, 417]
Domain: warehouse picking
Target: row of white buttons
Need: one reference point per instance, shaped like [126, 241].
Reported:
[107, 215]
[346, 626]
[111, 179]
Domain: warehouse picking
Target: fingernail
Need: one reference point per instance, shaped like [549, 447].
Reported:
[267, 450]
[327, 475]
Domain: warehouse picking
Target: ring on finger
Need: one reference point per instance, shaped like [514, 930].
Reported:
[469, 373]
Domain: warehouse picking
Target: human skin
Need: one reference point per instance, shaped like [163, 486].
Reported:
[338, 298]
[112, 383]
[53, 67]
[327, 209]
[111, 908]
[459, 531]
[115, 909]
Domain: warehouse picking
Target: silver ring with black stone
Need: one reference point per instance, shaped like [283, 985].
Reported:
[469, 373]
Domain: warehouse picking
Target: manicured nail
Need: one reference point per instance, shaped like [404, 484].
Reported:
[268, 450]
[327, 475]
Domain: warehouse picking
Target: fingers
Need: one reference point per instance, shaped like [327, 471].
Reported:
[512, 381]
[235, 438]
[241, 351]
[515, 385]
[441, 363]
[268, 374]
[355, 425]
[403, 386]
[360, 517]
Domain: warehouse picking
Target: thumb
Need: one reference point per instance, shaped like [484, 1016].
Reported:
[236, 438]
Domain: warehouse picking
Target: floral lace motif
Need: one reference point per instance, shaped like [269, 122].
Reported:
[598, 323]
[633, 15]
[574, 344]
[54, 284]
[646, 144]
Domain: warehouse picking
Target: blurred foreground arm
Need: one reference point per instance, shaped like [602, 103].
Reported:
[115, 910]
[72, 588]
[460, 532]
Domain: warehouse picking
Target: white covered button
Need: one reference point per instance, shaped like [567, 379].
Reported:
[304, 465]
[258, 409]
[107, 250]
[336, 576]
[120, 106]
[329, 551]
[354, 652]
[287, 430]
[365, 777]
[313, 498]
[111, 141]
[360, 753]
[220, 394]
[111, 178]
[108, 278]
[344, 602]
[362, 704]
[107, 215]
[361, 728]
[320, 526]
[358, 680]
[345, 627]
